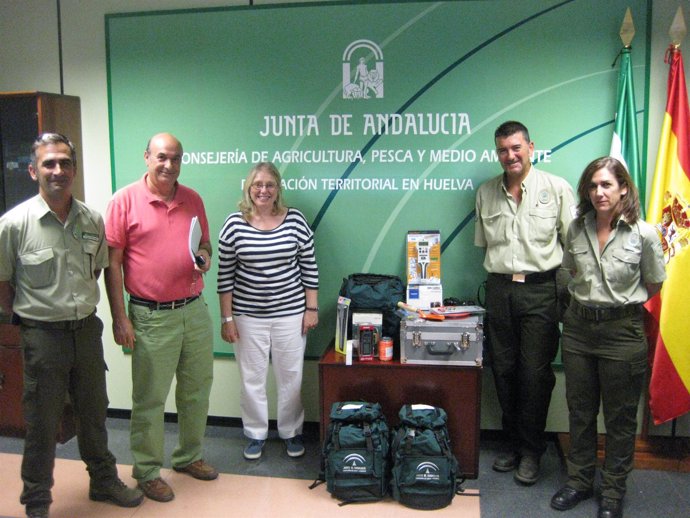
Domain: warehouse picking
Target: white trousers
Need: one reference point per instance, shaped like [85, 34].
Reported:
[282, 339]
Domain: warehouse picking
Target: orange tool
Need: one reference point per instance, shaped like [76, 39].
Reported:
[422, 314]
[443, 310]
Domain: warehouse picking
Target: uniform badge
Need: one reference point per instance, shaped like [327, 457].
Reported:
[544, 197]
[635, 240]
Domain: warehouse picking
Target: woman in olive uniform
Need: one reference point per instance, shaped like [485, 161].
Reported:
[617, 264]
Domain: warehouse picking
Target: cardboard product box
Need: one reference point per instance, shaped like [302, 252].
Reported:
[374, 318]
[424, 296]
[423, 257]
[449, 342]
[342, 311]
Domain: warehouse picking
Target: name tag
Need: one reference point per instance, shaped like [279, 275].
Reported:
[90, 236]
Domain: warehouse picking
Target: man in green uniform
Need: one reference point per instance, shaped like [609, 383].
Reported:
[52, 250]
[522, 219]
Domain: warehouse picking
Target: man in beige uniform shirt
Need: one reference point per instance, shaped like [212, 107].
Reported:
[52, 250]
[522, 219]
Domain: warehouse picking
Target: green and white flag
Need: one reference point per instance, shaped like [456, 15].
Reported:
[624, 144]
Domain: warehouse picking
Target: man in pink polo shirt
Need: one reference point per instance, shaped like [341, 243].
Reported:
[167, 324]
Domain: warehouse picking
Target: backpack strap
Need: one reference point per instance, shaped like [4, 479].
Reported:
[320, 480]
[408, 412]
[437, 413]
[408, 440]
[442, 442]
[366, 428]
[336, 435]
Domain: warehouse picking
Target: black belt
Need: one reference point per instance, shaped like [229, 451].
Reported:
[601, 314]
[527, 278]
[62, 325]
[153, 305]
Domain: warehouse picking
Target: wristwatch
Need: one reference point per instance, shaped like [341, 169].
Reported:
[225, 320]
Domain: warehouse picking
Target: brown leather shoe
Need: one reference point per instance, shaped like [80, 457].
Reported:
[157, 489]
[199, 469]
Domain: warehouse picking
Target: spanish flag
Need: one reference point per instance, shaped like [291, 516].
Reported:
[669, 389]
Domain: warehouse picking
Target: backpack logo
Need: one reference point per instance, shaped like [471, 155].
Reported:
[427, 471]
[354, 463]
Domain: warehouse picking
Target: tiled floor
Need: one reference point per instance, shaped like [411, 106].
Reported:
[651, 494]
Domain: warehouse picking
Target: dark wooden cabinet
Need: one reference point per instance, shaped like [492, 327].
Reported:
[12, 385]
[455, 389]
[24, 116]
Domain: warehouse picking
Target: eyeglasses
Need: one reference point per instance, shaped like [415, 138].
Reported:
[268, 186]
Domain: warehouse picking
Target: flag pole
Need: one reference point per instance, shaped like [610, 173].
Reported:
[627, 33]
[624, 142]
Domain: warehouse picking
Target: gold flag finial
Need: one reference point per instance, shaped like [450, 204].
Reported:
[627, 29]
[678, 29]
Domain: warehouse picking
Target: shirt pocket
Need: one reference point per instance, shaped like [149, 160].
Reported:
[624, 269]
[39, 267]
[89, 249]
[584, 262]
[542, 224]
[494, 226]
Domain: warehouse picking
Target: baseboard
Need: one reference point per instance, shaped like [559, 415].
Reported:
[311, 428]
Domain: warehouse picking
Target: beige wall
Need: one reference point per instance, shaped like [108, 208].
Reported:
[29, 61]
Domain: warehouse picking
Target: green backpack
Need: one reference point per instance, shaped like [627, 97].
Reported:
[355, 452]
[424, 467]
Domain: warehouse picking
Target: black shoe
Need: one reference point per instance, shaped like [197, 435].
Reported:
[40, 511]
[610, 508]
[506, 462]
[567, 498]
[528, 470]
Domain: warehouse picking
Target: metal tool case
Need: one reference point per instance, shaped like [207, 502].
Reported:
[456, 341]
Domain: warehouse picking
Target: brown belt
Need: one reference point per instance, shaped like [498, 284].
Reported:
[603, 314]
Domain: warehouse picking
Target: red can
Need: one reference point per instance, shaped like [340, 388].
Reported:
[386, 348]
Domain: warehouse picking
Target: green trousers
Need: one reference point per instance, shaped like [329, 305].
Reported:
[169, 343]
[604, 362]
[58, 362]
[522, 328]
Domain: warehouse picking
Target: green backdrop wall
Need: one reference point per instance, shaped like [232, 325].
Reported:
[366, 161]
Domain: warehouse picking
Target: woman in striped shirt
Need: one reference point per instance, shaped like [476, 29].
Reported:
[267, 284]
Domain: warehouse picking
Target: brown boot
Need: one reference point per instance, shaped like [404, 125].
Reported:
[157, 489]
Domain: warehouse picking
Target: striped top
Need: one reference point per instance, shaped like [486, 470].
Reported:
[267, 271]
